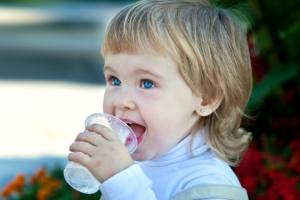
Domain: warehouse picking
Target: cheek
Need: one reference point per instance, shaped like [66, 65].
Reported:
[108, 104]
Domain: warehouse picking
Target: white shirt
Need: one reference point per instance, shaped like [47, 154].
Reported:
[172, 173]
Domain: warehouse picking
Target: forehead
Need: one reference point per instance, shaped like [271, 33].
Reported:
[146, 60]
[140, 63]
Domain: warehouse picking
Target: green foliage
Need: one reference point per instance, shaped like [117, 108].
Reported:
[275, 78]
[272, 169]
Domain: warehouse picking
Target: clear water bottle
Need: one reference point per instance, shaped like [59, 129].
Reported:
[79, 176]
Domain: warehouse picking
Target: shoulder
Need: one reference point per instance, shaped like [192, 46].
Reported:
[207, 181]
[213, 192]
[206, 172]
[211, 173]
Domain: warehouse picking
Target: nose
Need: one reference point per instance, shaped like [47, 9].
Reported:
[124, 100]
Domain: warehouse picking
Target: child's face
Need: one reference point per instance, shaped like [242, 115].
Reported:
[149, 92]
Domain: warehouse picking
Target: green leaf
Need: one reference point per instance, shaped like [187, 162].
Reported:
[276, 77]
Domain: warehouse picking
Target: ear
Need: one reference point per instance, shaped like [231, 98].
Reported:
[206, 107]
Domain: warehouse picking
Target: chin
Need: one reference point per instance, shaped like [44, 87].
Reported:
[138, 156]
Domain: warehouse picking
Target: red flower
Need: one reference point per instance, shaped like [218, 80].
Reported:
[294, 162]
[280, 187]
[251, 169]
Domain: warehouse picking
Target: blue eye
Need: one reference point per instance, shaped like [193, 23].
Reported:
[116, 81]
[147, 84]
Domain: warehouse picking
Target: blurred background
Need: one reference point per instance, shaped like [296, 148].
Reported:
[51, 80]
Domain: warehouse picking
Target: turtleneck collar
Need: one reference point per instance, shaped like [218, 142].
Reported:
[182, 151]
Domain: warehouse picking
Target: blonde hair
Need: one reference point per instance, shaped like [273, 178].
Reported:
[211, 50]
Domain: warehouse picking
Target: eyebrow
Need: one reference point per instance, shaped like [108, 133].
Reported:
[137, 71]
[108, 68]
[145, 71]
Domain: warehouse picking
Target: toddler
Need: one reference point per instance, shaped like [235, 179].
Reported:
[178, 73]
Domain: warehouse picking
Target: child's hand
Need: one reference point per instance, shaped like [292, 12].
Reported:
[101, 152]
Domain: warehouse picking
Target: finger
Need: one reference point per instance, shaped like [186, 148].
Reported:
[90, 137]
[83, 147]
[105, 132]
[80, 157]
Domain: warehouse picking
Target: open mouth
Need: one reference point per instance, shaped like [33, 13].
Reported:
[138, 130]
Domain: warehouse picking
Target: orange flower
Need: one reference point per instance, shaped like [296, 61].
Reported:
[43, 193]
[8, 190]
[48, 184]
[15, 186]
[54, 183]
[44, 180]
[19, 183]
[38, 175]
[49, 188]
